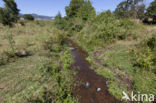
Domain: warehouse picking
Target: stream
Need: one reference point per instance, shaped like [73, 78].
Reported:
[93, 88]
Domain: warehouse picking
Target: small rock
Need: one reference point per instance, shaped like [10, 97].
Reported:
[71, 48]
[98, 89]
[87, 84]
[21, 53]
[106, 82]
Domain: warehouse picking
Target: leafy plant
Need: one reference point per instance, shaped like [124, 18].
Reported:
[144, 60]
[67, 59]
[152, 42]
[63, 76]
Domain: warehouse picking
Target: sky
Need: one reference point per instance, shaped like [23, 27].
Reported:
[52, 7]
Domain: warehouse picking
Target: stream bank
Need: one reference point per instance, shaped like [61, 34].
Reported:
[94, 87]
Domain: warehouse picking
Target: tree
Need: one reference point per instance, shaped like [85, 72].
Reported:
[133, 6]
[28, 17]
[151, 10]
[58, 16]
[130, 8]
[59, 21]
[122, 10]
[87, 11]
[73, 7]
[80, 8]
[141, 11]
[4, 17]
[10, 13]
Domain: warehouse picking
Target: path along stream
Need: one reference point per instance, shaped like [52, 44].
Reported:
[94, 87]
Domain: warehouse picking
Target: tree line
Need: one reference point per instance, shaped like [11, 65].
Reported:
[136, 9]
[83, 9]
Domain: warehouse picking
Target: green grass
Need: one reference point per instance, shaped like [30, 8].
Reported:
[117, 66]
[106, 73]
[24, 79]
[144, 82]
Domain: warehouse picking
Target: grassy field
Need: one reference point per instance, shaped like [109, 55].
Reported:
[125, 56]
[34, 77]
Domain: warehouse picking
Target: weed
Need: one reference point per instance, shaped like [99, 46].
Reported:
[152, 42]
[144, 82]
[11, 44]
[63, 76]
[144, 60]
[106, 73]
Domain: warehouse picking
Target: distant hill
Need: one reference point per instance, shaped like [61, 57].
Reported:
[40, 17]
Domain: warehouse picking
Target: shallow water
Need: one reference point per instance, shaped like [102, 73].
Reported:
[93, 88]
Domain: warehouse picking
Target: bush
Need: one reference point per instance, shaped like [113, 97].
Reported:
[103, 30]
[144, 59]
[54, 43]
[152, 42]
[125, 25]
[60, 22]
[28, 17]
[4, 17]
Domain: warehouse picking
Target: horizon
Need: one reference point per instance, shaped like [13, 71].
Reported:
[51, 8]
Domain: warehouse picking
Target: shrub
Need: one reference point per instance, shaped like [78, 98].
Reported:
[106, 28]
[40, 23]
[125, 25]
[4, 17]
[103, 30]
[11, 42]
[60, 22]
[22, 23]
[28, 17]
[87, 11]
[67, 59]
[144, 60]
[55, 42]
[152, 42]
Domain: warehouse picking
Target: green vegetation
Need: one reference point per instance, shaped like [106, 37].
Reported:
[151, 11]
[35, 63]
[9, 14]
[28, 17]
[44, 75]
[130, 8]
[120, 49]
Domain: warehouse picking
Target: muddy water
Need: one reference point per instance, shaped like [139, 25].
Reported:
[93, 88]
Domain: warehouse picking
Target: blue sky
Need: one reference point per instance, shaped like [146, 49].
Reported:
[52, 7]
